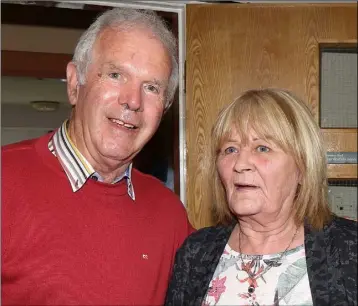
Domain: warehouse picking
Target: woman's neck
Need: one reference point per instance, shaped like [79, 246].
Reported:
[250, 237]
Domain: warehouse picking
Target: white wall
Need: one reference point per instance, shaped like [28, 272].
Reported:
[20, 122]
[12, 135]
[24, 116]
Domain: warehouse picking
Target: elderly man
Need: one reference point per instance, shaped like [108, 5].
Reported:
[80, 226]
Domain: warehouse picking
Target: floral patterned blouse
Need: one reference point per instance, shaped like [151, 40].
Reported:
[275, 283]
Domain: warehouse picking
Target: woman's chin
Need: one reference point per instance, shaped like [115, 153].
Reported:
[242, 210]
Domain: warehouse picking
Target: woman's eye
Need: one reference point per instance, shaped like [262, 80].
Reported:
[152, 88]
[262, 149]
[230, 150]
[114, 75]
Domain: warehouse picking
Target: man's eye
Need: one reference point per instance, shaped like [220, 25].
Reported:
[262, 149]
[230, 150]
[152, 88]
[114, 75]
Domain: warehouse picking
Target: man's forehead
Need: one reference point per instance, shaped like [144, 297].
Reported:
[126, 32]
[119, 40]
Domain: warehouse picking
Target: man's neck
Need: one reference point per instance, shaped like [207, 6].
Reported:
[110, 177]
[108, 169]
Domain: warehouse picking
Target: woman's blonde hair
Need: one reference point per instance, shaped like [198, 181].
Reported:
[276, 115]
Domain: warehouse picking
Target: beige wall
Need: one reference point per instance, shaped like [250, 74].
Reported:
[39, 39]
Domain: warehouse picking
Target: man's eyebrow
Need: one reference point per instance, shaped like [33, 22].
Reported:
[161, 84]
[112, 66]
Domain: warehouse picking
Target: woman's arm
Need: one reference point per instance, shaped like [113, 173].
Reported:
[179, 285]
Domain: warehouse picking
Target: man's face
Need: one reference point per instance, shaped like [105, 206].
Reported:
[120, 106]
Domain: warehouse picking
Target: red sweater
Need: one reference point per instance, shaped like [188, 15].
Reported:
[92, 247]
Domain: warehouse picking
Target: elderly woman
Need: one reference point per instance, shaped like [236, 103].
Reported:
[275, 241]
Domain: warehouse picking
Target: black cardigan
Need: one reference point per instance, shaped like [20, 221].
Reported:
[331, 256]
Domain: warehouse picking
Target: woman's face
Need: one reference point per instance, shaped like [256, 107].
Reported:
[258, 176]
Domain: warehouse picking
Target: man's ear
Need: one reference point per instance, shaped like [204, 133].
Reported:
[72, 83]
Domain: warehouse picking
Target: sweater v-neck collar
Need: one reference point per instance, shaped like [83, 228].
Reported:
[51, 161]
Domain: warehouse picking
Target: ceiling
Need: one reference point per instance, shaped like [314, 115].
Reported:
[60, 15]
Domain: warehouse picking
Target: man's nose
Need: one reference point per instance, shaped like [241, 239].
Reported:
[131, 97]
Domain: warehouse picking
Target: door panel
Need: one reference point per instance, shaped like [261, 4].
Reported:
[231, 48]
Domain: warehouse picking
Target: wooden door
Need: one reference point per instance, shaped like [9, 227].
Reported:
[232, 48]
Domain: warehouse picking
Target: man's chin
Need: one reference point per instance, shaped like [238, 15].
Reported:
[117, 154]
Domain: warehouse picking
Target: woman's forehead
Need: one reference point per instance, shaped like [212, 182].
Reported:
[238, 132]
[249, 135]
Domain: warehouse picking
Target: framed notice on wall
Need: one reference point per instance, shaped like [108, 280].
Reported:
[341, 157]
[343, 197]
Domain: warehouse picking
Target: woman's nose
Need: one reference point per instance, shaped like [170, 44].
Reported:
[243, 162]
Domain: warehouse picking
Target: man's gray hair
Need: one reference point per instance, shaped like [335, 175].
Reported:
[125, 18]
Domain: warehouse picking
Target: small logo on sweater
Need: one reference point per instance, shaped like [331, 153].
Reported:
[145, 256]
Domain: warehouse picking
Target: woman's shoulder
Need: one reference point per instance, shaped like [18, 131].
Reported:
[342, 234]
[208, 235]
[343, 228]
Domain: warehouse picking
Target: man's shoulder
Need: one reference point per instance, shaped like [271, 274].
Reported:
[148, 188]
[150, 184]
[162, 203]
[147, 178]
[17, 152]
[18, 147]
[23, 155]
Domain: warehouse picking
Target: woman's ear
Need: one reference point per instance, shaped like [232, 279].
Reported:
[300, 177]
[72, 83]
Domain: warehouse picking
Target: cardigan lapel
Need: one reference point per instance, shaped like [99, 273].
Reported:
[211, 259]
[317, 265]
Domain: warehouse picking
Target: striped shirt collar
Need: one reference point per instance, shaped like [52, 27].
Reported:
[76, 166]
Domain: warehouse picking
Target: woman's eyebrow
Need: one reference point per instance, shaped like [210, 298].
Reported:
[230, 140]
